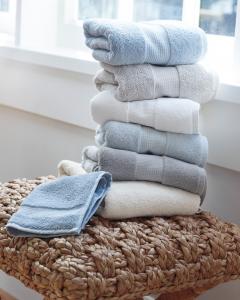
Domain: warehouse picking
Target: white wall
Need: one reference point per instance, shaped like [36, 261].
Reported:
[32, 145]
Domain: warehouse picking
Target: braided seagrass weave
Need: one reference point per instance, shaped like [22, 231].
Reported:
[120, 260]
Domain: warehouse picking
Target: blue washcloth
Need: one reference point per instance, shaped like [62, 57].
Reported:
[60, 207]
[155, 42]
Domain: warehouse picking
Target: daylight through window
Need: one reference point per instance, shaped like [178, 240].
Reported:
[4, 5]
[215, 16]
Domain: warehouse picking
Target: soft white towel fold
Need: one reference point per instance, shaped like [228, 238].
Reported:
[144, 199]
[139, 82]
[69, 168]
[165, 114]
[128, 199]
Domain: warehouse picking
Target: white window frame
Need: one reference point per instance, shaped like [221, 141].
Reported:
[237, 41]
[191, 11]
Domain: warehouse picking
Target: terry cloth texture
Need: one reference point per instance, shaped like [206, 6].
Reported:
[191, 148]
[155, 42]
[127, 199]
[130, 166]
[139, 82]
[61, 207]
[165, 114]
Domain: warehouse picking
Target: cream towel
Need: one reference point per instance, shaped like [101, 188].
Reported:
[69, 168]
[165, 114]
[128, 199]
[139, 82]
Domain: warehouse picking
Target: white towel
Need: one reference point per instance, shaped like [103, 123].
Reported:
[128, 199]
[69, 168]
[139, 82]
[166, 114]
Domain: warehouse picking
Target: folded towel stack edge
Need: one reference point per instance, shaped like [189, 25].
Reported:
[127, 199]
[148, 104]
[138, 82]
[159, 43]
[165, 114]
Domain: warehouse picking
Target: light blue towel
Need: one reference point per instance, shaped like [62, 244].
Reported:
[191, 148]
[60, 207]
[155, 42]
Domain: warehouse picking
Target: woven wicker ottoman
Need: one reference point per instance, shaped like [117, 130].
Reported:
[177, 258]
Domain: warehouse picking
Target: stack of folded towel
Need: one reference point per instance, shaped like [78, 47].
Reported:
[150, 88]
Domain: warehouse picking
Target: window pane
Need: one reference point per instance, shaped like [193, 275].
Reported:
[218, 16]
[157, 9]
[97, 9]
[4, 5]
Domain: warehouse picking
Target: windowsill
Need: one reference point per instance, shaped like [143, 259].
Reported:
[82, 62]
[75, 61]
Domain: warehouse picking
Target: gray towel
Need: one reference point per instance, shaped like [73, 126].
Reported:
[191, 148]
[130, 166]
[140, 82]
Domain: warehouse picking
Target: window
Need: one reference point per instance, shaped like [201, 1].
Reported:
[7, 20]
[97, 9]
[56, 25]
[137, 10]
[214, 16]
[218, 17]
[145, 10]
[4, 5]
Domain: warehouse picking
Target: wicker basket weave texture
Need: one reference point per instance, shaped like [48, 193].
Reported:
[120, 259]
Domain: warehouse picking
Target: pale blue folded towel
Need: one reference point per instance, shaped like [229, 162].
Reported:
[154, 42]
[60, 207]
[191, 148]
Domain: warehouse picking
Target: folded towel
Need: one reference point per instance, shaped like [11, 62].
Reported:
[61, 207]
[191, 148]
[67, 167]
[139, 82]
[70, 168]
[130, 166]
[127, 199]
[155, 42]
[165, 114]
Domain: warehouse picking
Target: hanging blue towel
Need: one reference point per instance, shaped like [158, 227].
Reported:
[154, 42]
[60, 207]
